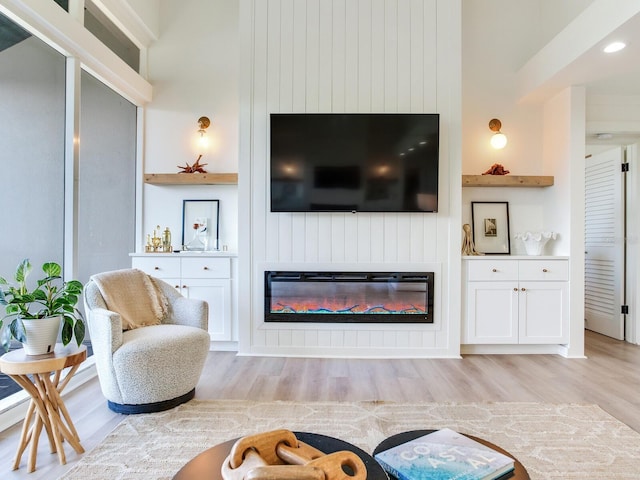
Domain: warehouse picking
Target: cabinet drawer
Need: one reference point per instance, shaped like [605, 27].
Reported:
[206, 267]
[544, 270]
[161, 267]
[493, 270]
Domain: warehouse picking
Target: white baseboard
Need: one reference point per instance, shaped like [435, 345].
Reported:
[14, 408]
[223, 347]
[509, 349]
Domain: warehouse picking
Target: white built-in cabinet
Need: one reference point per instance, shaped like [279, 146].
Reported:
[203, 276]
[523, 300]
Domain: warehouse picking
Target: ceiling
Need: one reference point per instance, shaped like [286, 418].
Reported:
[615, 74]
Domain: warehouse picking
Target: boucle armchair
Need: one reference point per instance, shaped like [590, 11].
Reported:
[150, 343]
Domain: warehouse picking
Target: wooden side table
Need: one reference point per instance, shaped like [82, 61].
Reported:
[41, 376]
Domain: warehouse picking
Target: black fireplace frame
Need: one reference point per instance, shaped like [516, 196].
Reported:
[386, 277]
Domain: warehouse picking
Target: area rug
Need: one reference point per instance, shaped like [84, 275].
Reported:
[567, 441]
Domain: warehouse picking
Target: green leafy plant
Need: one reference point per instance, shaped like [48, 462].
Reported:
[51, 297]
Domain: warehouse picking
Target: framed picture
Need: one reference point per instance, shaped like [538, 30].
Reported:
[490, 222]
[200, 223]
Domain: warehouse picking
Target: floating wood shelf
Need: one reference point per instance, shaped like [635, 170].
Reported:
[191, 178]
[506, 181]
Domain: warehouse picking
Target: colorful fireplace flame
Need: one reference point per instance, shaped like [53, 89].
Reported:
[364, 300]
[362, 309]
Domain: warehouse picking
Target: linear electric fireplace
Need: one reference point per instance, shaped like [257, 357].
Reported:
[349, 297]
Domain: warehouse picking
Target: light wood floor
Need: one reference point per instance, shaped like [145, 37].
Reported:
[609, 377]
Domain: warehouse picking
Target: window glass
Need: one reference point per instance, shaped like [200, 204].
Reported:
[63, 3]
[106, 187]
[32, 113]
[32, 119]
[109, 34]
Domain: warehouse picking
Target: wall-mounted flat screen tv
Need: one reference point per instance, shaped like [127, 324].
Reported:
[354, 162]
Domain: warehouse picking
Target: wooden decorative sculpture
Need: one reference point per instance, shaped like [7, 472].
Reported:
[279, 455]
[195, 168]
[467, 243]
[496, 169]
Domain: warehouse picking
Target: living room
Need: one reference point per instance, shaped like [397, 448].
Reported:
[468, 62]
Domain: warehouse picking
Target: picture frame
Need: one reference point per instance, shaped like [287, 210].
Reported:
[490, 222]
[200, 225]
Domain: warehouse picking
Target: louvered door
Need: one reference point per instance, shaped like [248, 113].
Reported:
[604, 244]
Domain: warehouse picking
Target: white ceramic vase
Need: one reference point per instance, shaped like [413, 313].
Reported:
[534, 242]
[42, 334]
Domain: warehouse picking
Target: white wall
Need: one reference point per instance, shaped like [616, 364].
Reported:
[342, 56]
[563, 140]
[497, 37]
[371, 55]
[193, 67]
[148, 11]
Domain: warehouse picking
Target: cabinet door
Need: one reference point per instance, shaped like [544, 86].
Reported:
[492, 312]
[217, 293]
[543, 312]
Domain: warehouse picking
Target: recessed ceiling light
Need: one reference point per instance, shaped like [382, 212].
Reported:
[614, 47]
[604, 136]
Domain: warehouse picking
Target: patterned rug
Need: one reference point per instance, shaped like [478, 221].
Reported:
[566, 441]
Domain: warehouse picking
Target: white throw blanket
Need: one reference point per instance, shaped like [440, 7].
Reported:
[133, 295]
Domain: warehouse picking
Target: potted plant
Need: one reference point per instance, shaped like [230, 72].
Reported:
[29, 310]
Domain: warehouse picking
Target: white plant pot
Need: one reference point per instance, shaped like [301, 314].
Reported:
[42, 334]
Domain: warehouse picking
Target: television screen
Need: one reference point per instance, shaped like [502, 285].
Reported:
[384, 162]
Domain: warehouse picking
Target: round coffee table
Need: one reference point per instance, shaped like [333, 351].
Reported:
[519, 472]
[208, 464]
[41, 377]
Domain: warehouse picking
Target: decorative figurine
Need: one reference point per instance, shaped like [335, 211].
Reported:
[467, 244]
[195, 168]
[160, 242]
[166, 241]
[496, 169]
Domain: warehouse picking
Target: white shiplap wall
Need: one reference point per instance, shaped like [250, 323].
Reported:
[347, 56]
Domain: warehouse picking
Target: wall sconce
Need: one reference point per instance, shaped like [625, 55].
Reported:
[203, 141]
[499, 139]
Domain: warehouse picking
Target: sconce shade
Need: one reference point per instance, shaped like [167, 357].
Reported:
[499, 139]
[203, 141]
[495, 125]
[204, 123]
